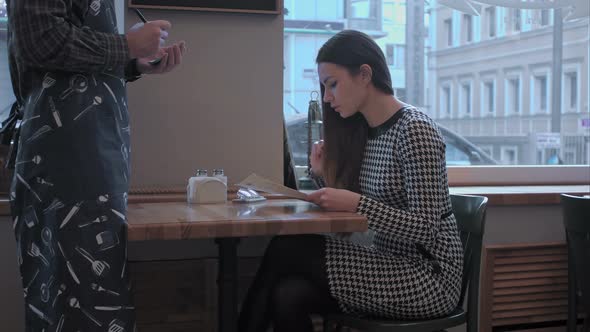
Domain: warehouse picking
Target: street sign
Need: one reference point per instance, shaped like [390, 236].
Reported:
[548, 140]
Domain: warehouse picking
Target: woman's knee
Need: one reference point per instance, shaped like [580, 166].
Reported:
[292, 295]
[294, 244]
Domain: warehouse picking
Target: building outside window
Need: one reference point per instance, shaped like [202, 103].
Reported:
[446, 100]
[509, 155]
[570, 91]
[516, 20]
[544, 17]
[466, 98]
[490, 17]
[467, 28]
[449, 31]
[513, 95]
[488, 97]
[540, 93]
[390, 54]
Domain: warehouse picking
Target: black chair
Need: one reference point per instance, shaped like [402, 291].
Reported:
[576, 219]
[470, 212]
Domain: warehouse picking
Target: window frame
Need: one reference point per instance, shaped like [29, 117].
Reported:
[534, 73]
[448, 28]
[565, 100]
[508, 104]
[490, 22]
[444, 84]
[467, 28]
[462, 105]
[490, 175]
[505, 148]
[484, 79]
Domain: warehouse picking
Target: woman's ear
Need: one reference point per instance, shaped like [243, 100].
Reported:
[366, 73]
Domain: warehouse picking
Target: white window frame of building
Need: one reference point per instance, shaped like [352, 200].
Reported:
[491, 29]
[448, 28]
[516, 21]
[394, 55]
[400, 55]
[488, 149]
[446, 100]
[512, 106]
[466, 99]
[544, 17]
[504, 149]
[487, 109]
[390, 54]
[536, 94]
[567, 92]
[467, 28]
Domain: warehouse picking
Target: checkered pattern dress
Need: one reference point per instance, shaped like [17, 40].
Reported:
[413, 268]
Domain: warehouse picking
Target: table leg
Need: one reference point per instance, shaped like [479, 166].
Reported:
[227, 284]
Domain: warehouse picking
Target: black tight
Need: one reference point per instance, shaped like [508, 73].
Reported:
[291, 284]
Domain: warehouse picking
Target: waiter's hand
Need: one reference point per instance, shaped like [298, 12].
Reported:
[332, 199]
[171, 56]
[144, 40]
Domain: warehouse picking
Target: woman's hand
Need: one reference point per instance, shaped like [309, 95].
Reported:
[335, 199]
[317, 158]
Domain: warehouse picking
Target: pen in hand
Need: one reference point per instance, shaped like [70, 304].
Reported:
[142, 18]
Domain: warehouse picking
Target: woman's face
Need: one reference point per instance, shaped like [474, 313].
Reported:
[344, 92]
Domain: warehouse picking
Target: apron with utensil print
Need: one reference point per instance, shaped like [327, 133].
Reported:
[69, 197]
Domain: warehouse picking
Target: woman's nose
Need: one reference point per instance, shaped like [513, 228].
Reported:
[327, 97]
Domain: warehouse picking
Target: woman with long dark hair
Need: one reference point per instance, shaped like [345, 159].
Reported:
[382, 159]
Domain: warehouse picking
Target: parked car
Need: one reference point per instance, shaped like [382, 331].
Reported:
[459, 151]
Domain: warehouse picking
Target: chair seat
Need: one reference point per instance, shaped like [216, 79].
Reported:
[456, 317]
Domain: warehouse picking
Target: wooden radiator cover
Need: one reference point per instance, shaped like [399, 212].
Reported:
[523, 283]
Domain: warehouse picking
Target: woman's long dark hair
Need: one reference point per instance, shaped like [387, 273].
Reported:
[345, 139]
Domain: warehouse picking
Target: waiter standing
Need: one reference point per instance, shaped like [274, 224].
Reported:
[69, 67]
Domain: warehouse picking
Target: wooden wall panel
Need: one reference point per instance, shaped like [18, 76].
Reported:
[523, 283]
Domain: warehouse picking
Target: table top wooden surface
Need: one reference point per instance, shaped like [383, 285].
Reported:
[179, 220]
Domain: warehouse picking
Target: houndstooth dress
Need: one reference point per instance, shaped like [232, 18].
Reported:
[413, 268]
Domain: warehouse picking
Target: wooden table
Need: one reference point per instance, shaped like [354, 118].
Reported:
[227, 223]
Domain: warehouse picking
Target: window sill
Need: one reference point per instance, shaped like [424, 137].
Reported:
[522, 195]
[498, 195]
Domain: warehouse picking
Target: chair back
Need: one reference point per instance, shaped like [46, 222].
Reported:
[576, 219]
[470, 212]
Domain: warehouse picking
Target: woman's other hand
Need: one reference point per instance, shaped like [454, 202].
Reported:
[335, 199]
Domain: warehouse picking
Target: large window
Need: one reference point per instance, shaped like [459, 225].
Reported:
[6, 96]
[486, 79]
